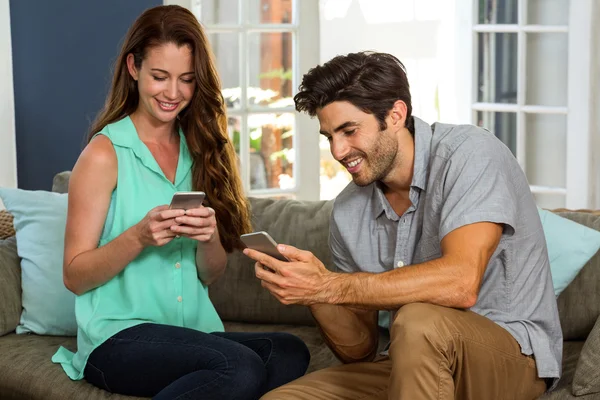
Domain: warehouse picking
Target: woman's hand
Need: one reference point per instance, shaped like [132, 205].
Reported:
[198, 223]
[155, 228]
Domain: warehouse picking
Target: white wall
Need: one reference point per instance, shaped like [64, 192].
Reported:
[595, 108]
[8, 163]
[422, 34]
[183, 3]
[432, 38]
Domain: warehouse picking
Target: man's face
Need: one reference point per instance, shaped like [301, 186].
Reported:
[356, 141]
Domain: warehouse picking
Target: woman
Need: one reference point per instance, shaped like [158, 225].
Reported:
[139, 269]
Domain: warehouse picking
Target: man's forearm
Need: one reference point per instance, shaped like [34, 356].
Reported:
[442, 282]
[351, 334]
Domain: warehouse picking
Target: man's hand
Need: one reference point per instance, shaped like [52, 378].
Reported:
[303, 280]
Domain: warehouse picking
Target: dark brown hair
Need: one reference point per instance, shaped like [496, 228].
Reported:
[203, 121]
[370, 81]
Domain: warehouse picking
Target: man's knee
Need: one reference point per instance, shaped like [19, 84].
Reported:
[418, 321]
[419, 314]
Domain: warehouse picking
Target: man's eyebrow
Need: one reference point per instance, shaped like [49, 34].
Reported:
[166, 72]
[345, 125]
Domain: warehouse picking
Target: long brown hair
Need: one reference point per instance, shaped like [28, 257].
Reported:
[203, 121]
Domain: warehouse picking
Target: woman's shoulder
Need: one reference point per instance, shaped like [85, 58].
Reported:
[96, 167]
[99, 153]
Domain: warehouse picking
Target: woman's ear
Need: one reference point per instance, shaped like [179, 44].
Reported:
[131, 66]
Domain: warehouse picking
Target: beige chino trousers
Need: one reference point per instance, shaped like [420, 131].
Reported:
[436, 353]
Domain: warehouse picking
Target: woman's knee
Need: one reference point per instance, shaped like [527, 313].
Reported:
[293, 350]
[246, 373]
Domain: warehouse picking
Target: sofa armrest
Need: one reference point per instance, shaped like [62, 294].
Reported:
[10, 286]
[587, 373]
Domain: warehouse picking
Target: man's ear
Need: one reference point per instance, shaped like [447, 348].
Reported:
[398, 114]
[131, 67]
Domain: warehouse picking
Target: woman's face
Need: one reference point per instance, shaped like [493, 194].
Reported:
[166, 81]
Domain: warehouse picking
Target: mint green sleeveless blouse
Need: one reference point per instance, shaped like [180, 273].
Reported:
[161, 285]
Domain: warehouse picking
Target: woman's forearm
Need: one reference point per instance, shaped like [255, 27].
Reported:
[211, 259]
[95, 267]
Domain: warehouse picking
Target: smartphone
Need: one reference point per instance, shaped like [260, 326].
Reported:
[263, 242]
[187, 200]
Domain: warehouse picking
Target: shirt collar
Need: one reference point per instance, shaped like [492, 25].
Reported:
[422, 138]
[124, 134]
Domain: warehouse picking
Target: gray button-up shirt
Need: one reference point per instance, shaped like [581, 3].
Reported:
[462, 175]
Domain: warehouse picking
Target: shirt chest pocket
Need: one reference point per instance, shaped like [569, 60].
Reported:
[427, 249]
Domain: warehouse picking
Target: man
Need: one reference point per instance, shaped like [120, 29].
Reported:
[438, 226]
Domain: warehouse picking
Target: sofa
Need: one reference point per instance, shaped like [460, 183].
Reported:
[26, 371]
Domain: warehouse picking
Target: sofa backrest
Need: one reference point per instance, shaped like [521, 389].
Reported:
[238, 295]
[579, 303]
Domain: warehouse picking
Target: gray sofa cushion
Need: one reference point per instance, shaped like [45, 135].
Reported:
[571, 351]
[60, 182]
[587, 374]
[579, 303]
[238, 295]
[27, 373]
[10, 286]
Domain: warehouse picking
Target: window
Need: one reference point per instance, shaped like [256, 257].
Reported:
[531, 80]
[261, 49]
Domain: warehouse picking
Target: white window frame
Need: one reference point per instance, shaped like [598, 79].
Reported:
[578, 190]
[305, 55]
[8, 144]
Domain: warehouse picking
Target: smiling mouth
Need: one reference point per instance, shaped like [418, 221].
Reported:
[353, 163]
[167, 106]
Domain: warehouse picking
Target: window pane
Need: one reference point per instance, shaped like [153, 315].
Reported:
[497, 67]
[501, 124]
[270, 69]
[227, 56]
[498, 11]
[334, 177]
[211, 12]
[550, 201]
[547, 69]
[233, 129]
[271, 151]
[546, 143]
[270, 11]
[548, 12]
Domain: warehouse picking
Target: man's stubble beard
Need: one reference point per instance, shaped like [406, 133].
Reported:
[381, 160]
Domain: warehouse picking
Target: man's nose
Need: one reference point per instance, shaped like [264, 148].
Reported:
[339, 148]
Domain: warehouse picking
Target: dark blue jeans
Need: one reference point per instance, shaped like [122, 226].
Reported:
[169, 362]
